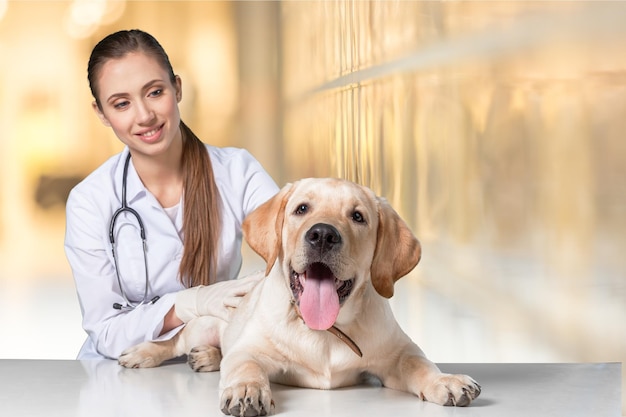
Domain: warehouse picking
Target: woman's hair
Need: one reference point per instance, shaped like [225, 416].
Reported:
[116, 46]
[201, 216]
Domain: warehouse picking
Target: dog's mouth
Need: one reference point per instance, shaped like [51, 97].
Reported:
[319, 294]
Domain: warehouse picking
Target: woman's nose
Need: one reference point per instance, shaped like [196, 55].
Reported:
[145, 114]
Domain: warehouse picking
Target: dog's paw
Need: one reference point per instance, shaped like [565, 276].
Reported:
[248, 400]
[139, 356]
[204, 359]
[451, 390]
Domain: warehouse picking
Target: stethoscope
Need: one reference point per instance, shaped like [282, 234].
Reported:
[130, 305]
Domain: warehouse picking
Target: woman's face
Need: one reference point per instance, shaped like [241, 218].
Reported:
[140, 103]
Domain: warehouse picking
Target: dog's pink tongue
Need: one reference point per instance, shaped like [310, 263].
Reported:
[319, 302]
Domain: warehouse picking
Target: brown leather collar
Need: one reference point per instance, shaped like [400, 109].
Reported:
[345, 339]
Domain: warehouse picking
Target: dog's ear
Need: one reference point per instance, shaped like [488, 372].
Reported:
[263, 228]
[397, 250]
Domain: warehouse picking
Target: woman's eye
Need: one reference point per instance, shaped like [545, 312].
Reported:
[302, 208]
[358, 217]
[121, 105]
[156, 93]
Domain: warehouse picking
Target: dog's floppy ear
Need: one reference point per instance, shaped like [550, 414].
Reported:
[262, 228]
[397, 250]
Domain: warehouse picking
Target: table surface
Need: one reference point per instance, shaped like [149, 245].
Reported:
[103, 388]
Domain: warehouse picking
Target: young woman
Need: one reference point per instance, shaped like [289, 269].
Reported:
[153, 235]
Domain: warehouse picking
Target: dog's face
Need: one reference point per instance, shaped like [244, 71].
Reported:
[331, 238]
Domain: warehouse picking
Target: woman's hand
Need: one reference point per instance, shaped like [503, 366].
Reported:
[214, 300]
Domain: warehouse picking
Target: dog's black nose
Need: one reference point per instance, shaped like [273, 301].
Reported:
[323, 237]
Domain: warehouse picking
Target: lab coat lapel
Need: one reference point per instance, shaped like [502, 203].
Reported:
[144, 201]
[135, 189]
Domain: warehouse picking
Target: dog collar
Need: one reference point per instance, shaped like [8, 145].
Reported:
[345, 339]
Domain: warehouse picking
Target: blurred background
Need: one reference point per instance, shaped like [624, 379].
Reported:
[496, 129]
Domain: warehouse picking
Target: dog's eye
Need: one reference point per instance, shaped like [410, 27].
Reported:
[302, 208]
[358, 217]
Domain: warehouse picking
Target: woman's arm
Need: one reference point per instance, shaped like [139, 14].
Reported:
[170, 321]
[88, 253]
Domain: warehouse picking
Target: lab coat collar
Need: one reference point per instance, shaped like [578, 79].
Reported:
[139, 198]
[134, 187]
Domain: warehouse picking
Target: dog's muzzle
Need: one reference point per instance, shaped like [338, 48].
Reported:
[317, 291]
[319, 295]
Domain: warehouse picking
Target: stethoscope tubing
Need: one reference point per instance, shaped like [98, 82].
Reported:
[126, 209]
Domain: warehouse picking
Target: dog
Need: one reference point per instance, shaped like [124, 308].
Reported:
[320, 318]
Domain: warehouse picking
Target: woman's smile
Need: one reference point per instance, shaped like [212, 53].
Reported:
[152, 135]
[140, 103]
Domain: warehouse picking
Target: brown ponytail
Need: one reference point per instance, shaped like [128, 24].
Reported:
[202, 220]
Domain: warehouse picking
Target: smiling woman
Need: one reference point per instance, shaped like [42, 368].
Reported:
[51, 140]
[144, 117]
[188, 201]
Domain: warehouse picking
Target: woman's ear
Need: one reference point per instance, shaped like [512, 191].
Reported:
[179, 88]
[101, 115]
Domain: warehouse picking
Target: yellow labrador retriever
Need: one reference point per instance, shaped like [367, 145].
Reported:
[320, 319]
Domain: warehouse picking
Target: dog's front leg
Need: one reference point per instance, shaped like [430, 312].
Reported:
[150, 354]
[245, 387]
[200, 339]
[414, 373]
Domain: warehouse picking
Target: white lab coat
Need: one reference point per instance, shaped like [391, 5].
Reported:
[243, 185]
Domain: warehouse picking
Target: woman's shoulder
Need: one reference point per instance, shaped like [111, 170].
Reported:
[239, 175]
[228, 155]
[99, 180]
[232, 160]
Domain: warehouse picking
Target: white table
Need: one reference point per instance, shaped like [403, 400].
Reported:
[103, 388]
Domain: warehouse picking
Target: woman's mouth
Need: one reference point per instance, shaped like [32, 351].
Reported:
[151, 135]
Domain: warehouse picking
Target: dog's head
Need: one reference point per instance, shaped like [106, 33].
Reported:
[331, 237]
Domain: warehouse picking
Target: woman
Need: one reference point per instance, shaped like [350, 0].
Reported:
[187, 198]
